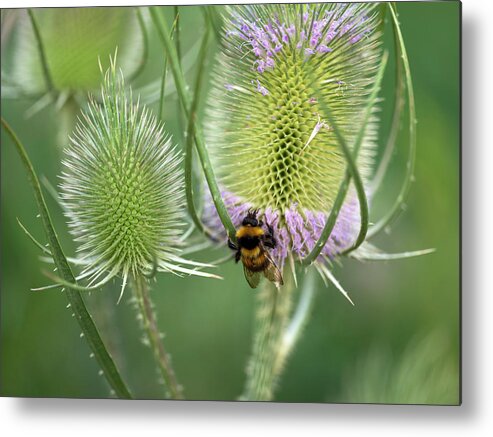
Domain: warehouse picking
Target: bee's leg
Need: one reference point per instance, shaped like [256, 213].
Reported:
[269, 240]
[238, 256]
[231, 245]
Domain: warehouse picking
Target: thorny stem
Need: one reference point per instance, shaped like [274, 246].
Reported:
[271, 320]
[149, 322]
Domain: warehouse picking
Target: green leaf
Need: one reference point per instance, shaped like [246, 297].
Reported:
[77, 304]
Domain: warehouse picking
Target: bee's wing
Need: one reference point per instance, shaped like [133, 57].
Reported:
[253, 278]
[272, 272]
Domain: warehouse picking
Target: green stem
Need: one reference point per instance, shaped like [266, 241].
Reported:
[163, 87]
[358, 184]
[177, 30]
[399, 101]
[211, 14]
[298, 321]
[351, 172]
[162, 358]
[176, 38]
[42, 53]
[271, 320]
[192, 119]
[200, 145]
[397, 207]
[77, 304]
[163, 78]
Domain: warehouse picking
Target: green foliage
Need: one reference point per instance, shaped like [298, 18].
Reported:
[73, 40]
[424, 373]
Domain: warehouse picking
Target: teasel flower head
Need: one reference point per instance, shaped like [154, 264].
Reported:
[62, 46]
[271, 145]
[123, 190]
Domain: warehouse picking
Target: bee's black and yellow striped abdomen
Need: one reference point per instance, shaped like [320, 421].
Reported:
[252, 254]
[255, 259]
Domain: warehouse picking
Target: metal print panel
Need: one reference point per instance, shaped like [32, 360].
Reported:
[232, 202]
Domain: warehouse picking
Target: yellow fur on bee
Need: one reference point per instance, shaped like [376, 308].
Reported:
[250, 253]
[256, 262]
[249, 231]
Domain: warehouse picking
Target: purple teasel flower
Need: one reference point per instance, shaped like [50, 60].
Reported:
[270, 146]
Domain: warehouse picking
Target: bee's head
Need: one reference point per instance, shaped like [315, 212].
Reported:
[251, 218]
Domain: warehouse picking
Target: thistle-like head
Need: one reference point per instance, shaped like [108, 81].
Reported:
[123, 189]
[70, 41]
[272, 148]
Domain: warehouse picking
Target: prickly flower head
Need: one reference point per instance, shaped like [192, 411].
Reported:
[271, 146]
[73, 40]
[122, 189]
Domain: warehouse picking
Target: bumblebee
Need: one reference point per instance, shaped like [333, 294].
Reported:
[251, 249]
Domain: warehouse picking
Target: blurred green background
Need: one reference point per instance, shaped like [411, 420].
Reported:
[399, 344]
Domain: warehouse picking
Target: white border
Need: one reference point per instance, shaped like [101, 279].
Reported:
[76, 418]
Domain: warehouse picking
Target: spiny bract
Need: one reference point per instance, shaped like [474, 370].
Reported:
[122, 189]
[270, 144]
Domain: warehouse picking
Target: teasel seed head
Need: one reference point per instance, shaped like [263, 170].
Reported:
[73, 39]
[123, 190]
